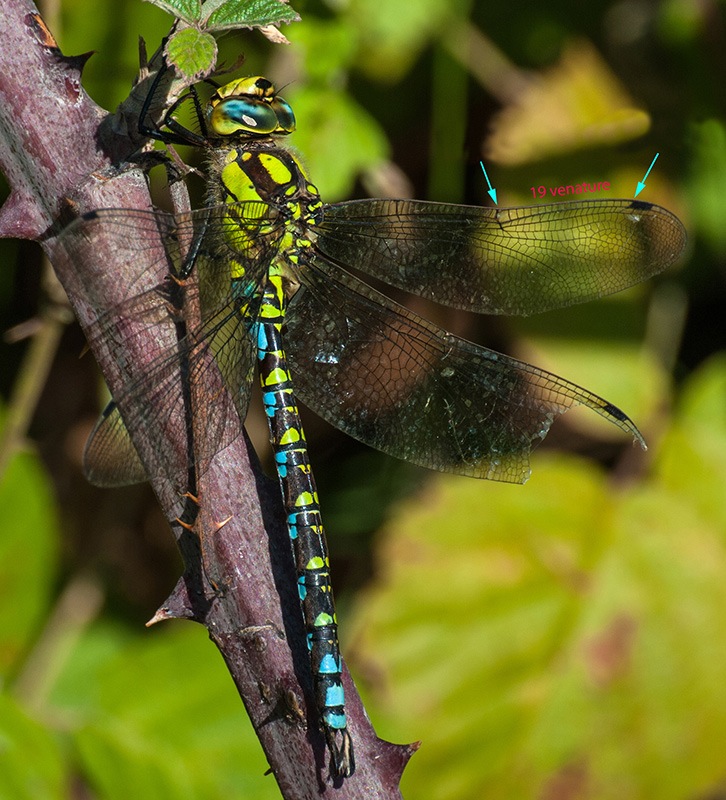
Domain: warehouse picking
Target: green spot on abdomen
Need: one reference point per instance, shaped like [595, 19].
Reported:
[291, 436]
[305, 499]
[276, 376]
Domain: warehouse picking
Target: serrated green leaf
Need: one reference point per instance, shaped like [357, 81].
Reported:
[31, 762]
[330, 122]
[530, 633]
[28, 554]
[192, 52]
[188, 10]
[210, 6]
[250, 14]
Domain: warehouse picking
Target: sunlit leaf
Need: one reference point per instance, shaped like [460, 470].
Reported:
[185, 735]
[560, 634]
[391, 35]
[706, 193]
[328, 48]
[692, 460]
[620, 370]
[703, 404]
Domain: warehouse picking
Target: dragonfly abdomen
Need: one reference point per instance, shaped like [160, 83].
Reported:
[305, 526]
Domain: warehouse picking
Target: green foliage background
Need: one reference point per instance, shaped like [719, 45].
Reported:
[566, 639]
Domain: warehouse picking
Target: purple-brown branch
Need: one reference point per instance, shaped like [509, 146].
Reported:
[57, 145]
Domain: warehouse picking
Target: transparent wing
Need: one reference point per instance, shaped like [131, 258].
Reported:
[404, 386]
[110, 458]
[503, 261]
[180, 397]
[184, 340]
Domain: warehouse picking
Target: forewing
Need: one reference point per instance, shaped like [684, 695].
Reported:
[404, 386]
[503, 261]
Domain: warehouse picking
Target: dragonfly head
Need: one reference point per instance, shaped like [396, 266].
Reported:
[249, 107]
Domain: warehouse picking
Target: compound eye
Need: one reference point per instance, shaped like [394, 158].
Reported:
[242, 115]
[284, 115]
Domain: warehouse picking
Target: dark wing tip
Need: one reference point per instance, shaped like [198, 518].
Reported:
[642, 205]
[623, 421]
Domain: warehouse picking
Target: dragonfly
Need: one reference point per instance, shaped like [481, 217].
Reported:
[268, 265]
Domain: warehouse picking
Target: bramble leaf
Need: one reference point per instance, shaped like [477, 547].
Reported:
[188, 10]
[250, 14]
[192, 52]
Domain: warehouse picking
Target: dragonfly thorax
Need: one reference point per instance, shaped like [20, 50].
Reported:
[270, 209]
[267, 175]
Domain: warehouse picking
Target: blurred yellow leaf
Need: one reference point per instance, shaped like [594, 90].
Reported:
[577, 103]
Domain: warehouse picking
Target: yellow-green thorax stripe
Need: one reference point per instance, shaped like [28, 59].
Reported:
[272, 208]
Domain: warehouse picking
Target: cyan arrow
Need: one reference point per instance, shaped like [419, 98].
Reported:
[641, 184]
[492, 192]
